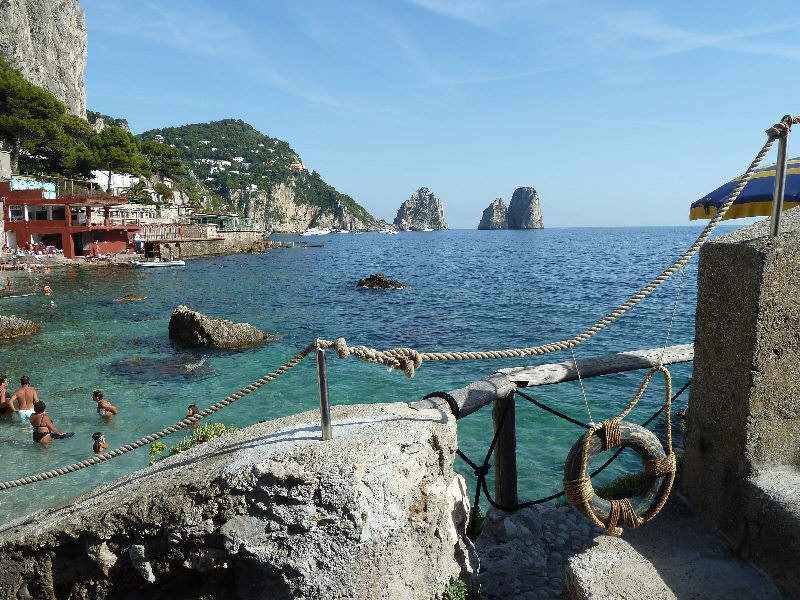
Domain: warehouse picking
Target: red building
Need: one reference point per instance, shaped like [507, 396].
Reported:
[35, 213]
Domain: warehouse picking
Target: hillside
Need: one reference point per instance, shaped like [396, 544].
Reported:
[261, 177]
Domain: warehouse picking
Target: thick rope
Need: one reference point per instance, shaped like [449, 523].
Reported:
[580, 491]
[408, 359]
[164, 432]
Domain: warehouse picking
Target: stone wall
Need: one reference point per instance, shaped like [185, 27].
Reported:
[268, 511]
[742, 450]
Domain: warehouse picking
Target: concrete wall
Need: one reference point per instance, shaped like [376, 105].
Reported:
[743, 422]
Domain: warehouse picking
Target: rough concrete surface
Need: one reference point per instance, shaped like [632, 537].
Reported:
[677, 555]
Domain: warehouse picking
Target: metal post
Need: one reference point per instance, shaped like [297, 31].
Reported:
[780, 184]
[324, 399]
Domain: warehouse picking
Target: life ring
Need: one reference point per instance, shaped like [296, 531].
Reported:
[659, 476]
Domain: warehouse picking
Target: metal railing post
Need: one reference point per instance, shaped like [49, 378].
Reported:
[324, 399]
[780, 184]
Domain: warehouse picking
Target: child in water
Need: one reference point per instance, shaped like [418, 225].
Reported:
[99, 443]
[104, 407]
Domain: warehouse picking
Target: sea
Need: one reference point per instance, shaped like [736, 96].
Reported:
[465, 290]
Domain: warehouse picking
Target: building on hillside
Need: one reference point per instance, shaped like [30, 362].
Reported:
[55, 213]
[226, 222]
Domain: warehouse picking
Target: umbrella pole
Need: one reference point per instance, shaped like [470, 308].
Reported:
[780, 184]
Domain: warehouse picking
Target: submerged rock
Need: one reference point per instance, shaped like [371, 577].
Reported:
[190, 328]
[11, 326]
[379, 280]
[130, 298]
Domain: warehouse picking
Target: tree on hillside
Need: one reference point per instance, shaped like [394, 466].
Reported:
[28, 114]
[116, 150]
[164, 160]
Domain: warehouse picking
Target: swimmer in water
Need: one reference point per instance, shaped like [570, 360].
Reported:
[104, 408]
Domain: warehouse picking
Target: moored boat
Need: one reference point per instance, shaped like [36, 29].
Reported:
[158, 263]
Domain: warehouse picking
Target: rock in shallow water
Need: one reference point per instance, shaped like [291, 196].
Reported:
[379, 280]
[190, 328]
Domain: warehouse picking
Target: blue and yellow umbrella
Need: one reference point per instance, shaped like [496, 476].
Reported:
[755, 200]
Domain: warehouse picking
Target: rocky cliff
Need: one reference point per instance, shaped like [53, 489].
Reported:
[420, 212]
[524, 211]
[46, 41]
[495, 216]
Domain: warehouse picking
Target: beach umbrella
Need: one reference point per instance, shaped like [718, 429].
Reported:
[755, 200]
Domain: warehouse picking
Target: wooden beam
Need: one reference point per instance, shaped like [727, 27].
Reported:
[474, 396]
[505, 451]
[597, 365]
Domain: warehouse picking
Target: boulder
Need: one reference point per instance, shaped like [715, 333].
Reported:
[495, 216]
[524, 211]
[11, 326]
[379, 280]
[190, 328]
[268, 511]
[423, 211]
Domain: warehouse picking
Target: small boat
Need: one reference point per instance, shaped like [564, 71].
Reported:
[316, 231]
[158, 263]
[389, 231]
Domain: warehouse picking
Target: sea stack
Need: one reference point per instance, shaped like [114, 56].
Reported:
[423, 211]
[495, 216]
[524, 211]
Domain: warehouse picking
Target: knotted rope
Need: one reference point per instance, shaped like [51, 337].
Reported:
[580, 491]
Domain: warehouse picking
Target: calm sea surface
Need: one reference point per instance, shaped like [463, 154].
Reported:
[467, 290]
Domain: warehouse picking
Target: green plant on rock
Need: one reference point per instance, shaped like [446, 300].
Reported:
[203, 433]
[458, 590]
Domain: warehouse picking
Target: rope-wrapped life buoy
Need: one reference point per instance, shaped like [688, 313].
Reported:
[646, 504]
[659, 467]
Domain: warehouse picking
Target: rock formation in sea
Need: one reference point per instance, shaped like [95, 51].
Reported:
[524, 211]
[46, 41]
[11, 326]
[190, 328]
[379, 280]
[495, 216]
[268, 511]
[422, 211]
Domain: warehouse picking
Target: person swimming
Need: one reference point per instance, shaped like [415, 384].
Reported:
[6, 406]
[43, 428]
[192, 411]
[99, 442]
[104, 407]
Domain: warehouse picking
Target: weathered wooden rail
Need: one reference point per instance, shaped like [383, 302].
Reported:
[498, 389]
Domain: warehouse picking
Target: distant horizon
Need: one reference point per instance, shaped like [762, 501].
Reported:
[618, 115]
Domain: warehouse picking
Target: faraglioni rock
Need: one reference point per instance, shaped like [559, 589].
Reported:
[495, 216]
[422, 212]
[47, 42]
[11, 326]
[190, 328]
[379, 280]
[524, 211]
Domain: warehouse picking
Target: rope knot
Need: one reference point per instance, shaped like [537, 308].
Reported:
[481, 471]
[622, 509]
[405, 359]
[340, 346]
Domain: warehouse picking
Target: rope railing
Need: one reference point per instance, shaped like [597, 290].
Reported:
[409, 359]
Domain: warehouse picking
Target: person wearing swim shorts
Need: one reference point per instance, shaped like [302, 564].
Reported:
[43, 428]
[26, 398]
[104, 407]
[6, 406]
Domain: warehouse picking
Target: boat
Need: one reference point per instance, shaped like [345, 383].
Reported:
[158, 263]
[316, 231]
[389, 231]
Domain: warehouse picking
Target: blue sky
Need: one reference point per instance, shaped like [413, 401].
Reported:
[618, 113]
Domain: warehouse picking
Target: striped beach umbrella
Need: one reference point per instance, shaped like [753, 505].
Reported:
[755, 200]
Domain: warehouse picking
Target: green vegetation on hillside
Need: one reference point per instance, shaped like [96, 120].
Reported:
[231, 155]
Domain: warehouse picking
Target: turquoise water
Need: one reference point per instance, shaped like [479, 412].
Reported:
[467, 290]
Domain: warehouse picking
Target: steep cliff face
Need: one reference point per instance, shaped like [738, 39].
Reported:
[46, 41]
[422, 211]
[495, 216]
[524, 211]
[282, 212]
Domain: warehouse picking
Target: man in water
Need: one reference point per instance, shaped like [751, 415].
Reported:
[26, 397]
